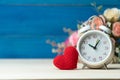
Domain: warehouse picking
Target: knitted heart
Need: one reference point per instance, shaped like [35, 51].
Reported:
[68, 60]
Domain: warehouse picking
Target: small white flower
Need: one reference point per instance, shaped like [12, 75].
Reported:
[59, 45]
[62, 45]
[54, 50]
[109, 24]
[117, 50]
[78, 26]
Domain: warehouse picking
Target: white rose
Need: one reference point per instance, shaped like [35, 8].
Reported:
[112, 14]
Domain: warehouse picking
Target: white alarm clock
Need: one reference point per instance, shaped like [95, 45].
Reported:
[95, 49]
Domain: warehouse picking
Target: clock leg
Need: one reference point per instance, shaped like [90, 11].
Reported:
[84, 65]
[114, 59]
[105, 66]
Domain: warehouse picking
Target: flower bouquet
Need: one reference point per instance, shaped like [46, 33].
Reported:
[110, 19]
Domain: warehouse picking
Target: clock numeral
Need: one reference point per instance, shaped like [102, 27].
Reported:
[88, 57]
[100, 57]
[94, 59]
[84, 53]
[100, 37]
[82, 47]
[106, 48]
[105, 53]
[104, 42]
[95, 36]
[85, 42]
[89, 37]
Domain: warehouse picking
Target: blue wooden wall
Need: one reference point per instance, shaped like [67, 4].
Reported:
[25, 25]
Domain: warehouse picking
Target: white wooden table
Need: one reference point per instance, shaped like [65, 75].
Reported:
[44, 69]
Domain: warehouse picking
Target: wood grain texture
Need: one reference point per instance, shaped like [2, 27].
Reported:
[105, 2]
[43, 69]
[25, 25]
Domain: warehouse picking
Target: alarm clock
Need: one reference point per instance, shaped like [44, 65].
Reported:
[95, 49]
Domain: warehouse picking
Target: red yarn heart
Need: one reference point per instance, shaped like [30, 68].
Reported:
[68, 60]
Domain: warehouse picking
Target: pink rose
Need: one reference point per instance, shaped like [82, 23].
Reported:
[116, 29]
[97, 21]
[74, 38]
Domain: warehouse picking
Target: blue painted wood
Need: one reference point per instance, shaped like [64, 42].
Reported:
[35, 20]
[25, 28]
[110, 2]
[27, 47]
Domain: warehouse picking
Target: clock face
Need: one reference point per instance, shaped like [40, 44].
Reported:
[94, 46]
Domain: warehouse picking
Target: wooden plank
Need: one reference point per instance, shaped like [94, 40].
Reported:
[43, 69]
[87, 2]
[36, 19]
[27, 47]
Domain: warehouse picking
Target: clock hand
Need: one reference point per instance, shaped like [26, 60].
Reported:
[91, 46]
[96, 43]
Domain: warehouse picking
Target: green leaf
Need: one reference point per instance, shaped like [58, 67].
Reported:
[99, 7]
[78, 26]
[93, 4]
